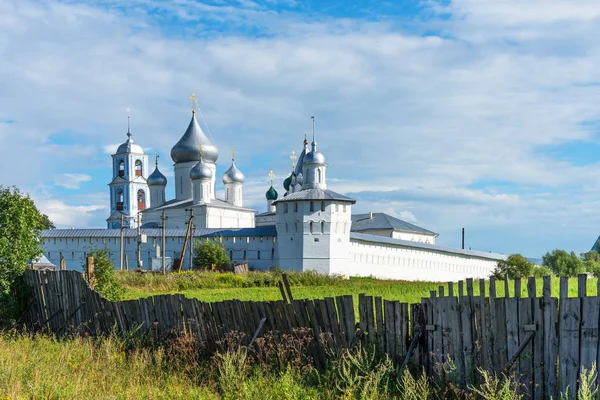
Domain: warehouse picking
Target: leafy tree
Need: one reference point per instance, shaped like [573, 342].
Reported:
[591, 261]
[20, 226]
[48, 224]
[562, 263]
[209, 254]
[515, 266]
[104, 271]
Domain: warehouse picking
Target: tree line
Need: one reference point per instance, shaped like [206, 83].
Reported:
[557, 262]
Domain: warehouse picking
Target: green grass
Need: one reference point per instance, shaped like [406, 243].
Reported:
[260, 286]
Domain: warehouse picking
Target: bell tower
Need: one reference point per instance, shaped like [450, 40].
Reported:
[129, 192]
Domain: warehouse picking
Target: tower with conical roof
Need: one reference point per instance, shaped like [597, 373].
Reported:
[129, 192]
[185, 155]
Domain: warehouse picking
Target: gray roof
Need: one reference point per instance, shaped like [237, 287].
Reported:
[315, 194]
[174, 203]
[268, 230]
[382, 221]
[408, 243]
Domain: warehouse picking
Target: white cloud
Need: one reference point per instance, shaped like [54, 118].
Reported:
[72, 181]
[422, 119]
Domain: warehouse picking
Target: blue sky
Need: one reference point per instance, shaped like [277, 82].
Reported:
[448, 114]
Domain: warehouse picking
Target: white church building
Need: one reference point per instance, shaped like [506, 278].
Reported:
[309, 227]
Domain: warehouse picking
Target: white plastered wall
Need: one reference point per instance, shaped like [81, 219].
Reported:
[386, 261]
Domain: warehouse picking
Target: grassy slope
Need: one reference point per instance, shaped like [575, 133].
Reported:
[206, 289]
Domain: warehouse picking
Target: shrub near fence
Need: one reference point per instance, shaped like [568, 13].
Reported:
[543, 342]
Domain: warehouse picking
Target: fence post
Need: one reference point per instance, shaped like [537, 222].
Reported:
[89, 271]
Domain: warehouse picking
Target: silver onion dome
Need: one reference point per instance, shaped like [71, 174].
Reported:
[129, 146]
[156, 178]
[233, 175]
[186, 149]
[201, 171]
[314, 157]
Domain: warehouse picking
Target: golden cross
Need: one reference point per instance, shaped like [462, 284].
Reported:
[193, 100]
[271, 175]
[232, 154]
[293, 158]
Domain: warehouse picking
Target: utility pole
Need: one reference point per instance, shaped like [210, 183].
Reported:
[191, 237]
[121, 246]
[163, 218]
[139, 242]
[187, 235]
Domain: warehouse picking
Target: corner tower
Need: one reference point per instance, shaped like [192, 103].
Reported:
[129, 193]
[313, 223]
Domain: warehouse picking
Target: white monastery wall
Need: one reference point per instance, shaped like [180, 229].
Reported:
[403, 262]
[258, 251]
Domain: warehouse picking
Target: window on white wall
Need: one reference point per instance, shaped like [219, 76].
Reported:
[322, 227]
[323, 206]
[296, 206]
[258, 255]
[312, 206]
[311, 227]
[285, 207]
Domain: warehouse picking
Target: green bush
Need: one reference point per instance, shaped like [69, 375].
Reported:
[104, 271]
[209, 254]
[515, 266]
[539, 271]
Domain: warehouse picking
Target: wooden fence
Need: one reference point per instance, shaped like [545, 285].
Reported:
[542, 342]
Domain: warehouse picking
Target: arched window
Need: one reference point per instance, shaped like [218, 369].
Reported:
[230, 255]
[272, 254]
[245, 255]
[296, 206]
[258, 255]
[285, 207]
[322, 227]
[138, 168]
[141, 200]
[319, 175]
[322, 206]
[121, 168]
[311, 227]
[312, 206]
[119, 199]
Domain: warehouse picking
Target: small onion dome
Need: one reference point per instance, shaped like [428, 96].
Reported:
[187, 148]
[156, 178]
[287, 182]
[201, 171]
[314, 157]
[271, 194]
[233, 175]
